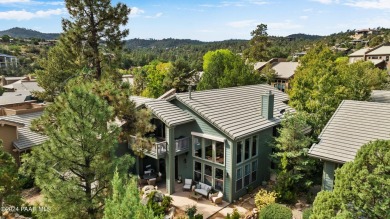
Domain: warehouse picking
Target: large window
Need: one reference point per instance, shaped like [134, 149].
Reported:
[254, 146]
[197, 171]
[208, 179]
[254, 171]
[239, 180]
[198, 147]
[208, 144]
[239, 152]
[247, 174]
[218, 180]
[247, 146]
[220, 152]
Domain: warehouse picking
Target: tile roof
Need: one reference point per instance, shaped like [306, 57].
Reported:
[14, 97]
[259, 65]
[236, 111]
[140, 101]
[359, 52]
[170, 114]
[26, 137]
[354, 124]
[383, 50]
[285, 69]
[382, 96]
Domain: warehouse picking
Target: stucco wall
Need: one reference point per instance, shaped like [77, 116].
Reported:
[8, 134]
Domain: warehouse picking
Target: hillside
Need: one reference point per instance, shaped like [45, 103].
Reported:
[304, 36]
[171, 43]
[18, 32]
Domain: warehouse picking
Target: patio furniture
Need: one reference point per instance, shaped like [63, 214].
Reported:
[159, 177]
[216, 198]
[141, 181]
[149, 176]
[202, 189]
[152, 181]
[196, 196]
[187, 184]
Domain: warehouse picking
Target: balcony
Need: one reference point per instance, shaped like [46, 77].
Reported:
[160, 147]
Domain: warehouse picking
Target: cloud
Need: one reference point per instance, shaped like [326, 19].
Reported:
[239, 3]
[135, 12]
[13, 1]
[327, 2]
[369, 4]
[27, 15]
[304, 17]
[241, 24]
[155, 16]
[308, 10]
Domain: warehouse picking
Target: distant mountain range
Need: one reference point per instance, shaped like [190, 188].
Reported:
[18, 32]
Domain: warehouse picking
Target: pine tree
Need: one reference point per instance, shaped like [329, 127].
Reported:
[9, 181]
[92, 24]
[75, 165]
[258, 45]
[125, 201]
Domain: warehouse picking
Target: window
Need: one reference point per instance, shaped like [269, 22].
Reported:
[247, 146]
[208, 179]
[247, 173]
[254, 171]
[239, 179]
[208, 149]
[218, 182]
[220, 152]
[387, 58]
[198, 147]
[254, 146]
[197, 171]
[239, 152]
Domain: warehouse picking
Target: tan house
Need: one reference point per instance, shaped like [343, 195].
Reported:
[379, 56]
[15, 121]
[284, 70]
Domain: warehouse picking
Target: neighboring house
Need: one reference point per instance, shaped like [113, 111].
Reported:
[284, 70]
[9, 80]
[219, 137]
[15, 120]
[297, 55]
[354, 124]
[8, 60]
[364, 33]
[379, 56]
[20, 91]
[382, 96]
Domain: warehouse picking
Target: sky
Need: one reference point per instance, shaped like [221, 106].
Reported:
[213, 20]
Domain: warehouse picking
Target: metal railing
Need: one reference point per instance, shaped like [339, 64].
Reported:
[161, 147]
[182, 144]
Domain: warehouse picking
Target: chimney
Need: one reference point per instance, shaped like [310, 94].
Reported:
[189, 91]
[267, 105]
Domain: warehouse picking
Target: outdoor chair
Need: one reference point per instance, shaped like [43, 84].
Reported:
[152, 181]
[187, 184]
[216, 198]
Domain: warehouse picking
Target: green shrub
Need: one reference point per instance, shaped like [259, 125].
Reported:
[275, 211]
[190, 211]
[306, 213]
[264, 198]
[198, 216]
[159, 203]
[235, 215]
[285, 188]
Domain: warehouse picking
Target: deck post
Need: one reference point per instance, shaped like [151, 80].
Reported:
[170, 159]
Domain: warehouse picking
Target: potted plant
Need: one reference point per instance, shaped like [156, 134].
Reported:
[190, 211]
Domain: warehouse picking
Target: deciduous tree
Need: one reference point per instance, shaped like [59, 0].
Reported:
[361, 187]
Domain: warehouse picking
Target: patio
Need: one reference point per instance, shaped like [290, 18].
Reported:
[182, 200]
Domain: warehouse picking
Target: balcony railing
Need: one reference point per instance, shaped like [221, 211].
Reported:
[160, 147]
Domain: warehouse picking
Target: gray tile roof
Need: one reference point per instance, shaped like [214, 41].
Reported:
[170, 114]
[26, 137]
[285, 70]
[235, 111]
[258, 65]
[354, 124]
[140, 101]
[382, 96]
[14, 97]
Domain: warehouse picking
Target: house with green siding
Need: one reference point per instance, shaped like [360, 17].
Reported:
[218, 137]
[354, 124]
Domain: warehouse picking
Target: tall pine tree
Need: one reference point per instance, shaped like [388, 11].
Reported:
[75, 165]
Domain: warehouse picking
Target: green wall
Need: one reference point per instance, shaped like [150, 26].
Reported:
[328, 175]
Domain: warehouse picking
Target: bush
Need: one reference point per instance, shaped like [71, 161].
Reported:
[159, 203]
[190, 211]
[275, 211]
[235, 215]
[264, 198]
[198, 216]
[306, 213]
[285, 188]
